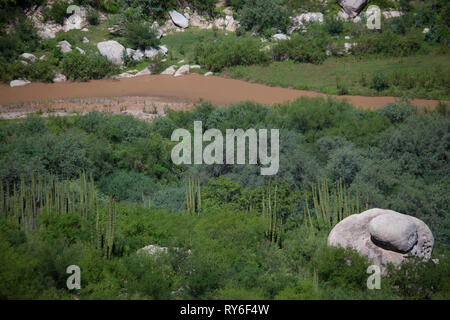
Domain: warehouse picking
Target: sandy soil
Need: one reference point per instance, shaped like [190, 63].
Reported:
[141, 94]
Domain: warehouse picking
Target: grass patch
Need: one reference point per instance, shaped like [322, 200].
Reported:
[355, 75]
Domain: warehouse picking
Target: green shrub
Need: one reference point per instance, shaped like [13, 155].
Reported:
[93, 18]
[141, 35]
[57, 12]
[379, 82]
[333, 25]
[41, 70]
[260, 15]
[77, 66]
[223, 53]
[301, 48]
[338, 267]
[388, 43]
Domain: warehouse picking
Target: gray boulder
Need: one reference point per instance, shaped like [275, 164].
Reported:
[19, 83]
[169, 71]
[182, 71]
[353, 7]
[112, 50]
[179, 19]
[384, 236]
[280, 36]
[59, 77]
[65, 46]
[28, 56]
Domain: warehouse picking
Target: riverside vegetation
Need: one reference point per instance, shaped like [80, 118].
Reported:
[91, 190]
[399, 60]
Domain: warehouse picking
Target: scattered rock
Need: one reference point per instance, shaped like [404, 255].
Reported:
[124, 75]
[384, 236]
[280, 36]
[391, 14]
[179, 19]
[352, 7]
[136, 55]
[80, 50]
[426, 30]
[28, 56]
[143, 72]
[85, 40]
[112, 50]
[65, 46]
[76, 21]
[19, 83]
[59, 77]
[85, 30]
[182, 71]
[169, 71]
[152, 249]
[299, 22]
[209, 73]
[195, 66]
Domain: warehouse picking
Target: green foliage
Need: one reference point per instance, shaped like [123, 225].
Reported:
[333, 25]
[141, 35]
[57, 12]
[301, 48]
[92, 17]
[379, 82]
[228, 52]
[261, 15]
[77, 66]
[344, 268]
[417, 279]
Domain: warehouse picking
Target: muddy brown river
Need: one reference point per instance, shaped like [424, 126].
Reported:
[188, 89]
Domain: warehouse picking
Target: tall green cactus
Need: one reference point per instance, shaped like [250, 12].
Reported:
[271, 214]
[330, 209]
[193, 203]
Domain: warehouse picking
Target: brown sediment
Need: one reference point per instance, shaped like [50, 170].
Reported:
[182, 90]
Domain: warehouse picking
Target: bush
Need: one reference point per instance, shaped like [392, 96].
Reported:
[389, 44]
[260, 15]
[301, 48]
[77, 66]
[228, 52]
[141, 35]
[379, 82]
[93, 18]
[57, 12]
[333, 25]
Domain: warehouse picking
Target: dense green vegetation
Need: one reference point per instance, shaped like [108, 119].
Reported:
[92, 190]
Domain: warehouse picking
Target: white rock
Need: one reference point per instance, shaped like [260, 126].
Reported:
[426, 30]
[85, 40]
[143, 72]
[59, 77]
[29, 57]
[76, 21]
[80, 50]
[209, 73]
[19, 83]
[170, 70]
[353, 7]
[394, 231]
[198, 21]
[156, 27]
[391, 14]
[195, 66]
[136, 55]
[299, 22]
[85, 30]
[65, 46]
[124, 75]
[280, 36]
[112, 50]
[178, 19]
[182, 71]
[163, 50]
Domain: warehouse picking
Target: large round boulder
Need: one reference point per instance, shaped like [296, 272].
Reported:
[112, 50]
[384, 236]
